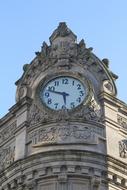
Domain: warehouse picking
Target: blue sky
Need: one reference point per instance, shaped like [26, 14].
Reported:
[25, 24]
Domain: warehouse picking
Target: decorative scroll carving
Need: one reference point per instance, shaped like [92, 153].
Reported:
[36, 115]
[7, 156]
[63, 134]
[123, 148]
[122, 122]
[108, 87]
[7, 132]
[94, 110]
[89, 112]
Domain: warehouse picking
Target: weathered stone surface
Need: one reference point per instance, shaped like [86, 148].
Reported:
[80, 149]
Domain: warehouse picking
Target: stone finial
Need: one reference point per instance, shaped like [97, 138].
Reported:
[62, 31]
[82, 44]
[106, 62]
[25, 67]
[44, 48]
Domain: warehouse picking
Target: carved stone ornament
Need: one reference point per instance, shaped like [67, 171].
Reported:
[7, 156]
[64, 134]
[108, 87]
[95, 183]
[7, 132]
[89, 112]
[122, 122]
[64, 53]
[93, 111]
[38, 116]
[123, 148]
[30, 185]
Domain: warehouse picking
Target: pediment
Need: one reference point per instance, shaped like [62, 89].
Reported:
[65, 55]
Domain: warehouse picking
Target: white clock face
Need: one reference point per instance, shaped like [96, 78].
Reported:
[63, 92]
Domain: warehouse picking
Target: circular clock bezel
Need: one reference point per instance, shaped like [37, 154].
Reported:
[77, 76]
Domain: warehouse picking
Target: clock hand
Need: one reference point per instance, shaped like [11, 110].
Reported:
[64, 97]
[64, 94]
[56, 92]
[61, 93]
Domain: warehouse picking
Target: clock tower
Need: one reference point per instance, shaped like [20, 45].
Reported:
[67, 130]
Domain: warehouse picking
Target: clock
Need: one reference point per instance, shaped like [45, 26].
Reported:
[63, 92]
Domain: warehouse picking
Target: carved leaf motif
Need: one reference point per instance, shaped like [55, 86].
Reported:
[36, 115]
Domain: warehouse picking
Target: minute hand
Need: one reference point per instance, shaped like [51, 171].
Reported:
[64, 94]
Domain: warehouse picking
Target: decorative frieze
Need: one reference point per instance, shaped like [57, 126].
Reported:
[65, 134]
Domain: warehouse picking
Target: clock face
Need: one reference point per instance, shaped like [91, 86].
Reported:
[63, 92]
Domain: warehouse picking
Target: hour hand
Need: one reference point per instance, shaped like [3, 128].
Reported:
[64, 94]
[64, 97]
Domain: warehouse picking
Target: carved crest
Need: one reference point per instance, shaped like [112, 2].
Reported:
[64, 53]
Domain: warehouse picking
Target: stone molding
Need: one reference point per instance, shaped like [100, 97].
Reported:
[117, 172]
[27, 176]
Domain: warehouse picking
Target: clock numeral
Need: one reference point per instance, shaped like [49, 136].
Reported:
[65, 81]
[73, 82]
[56, 83]
[49, 101]
[51, 88]
[63, 107]
[78, 100]
[56, 105]
[81, 93]
[46, 94]
[72, 104]
[79, 86]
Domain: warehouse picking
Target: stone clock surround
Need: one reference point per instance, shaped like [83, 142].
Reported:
[84, 148]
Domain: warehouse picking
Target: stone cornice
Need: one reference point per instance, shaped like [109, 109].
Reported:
[117, 164]
[13, 110]
[122, 106]
[40, 162]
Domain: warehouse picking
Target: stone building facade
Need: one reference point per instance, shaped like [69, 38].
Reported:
[67, 130]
